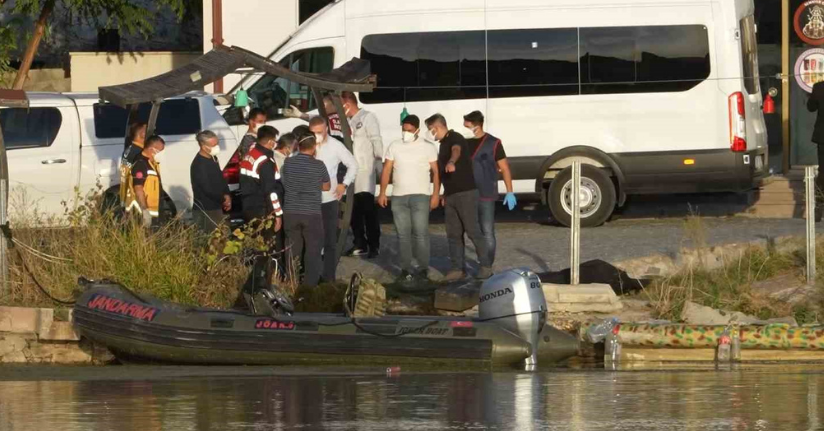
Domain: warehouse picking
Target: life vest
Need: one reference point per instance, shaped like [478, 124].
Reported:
[255, 192]
[130, 155]
[151, 188]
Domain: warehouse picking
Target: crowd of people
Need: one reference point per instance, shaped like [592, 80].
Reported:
[298, 179]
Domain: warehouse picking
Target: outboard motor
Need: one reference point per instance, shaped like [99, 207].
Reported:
[515, 300]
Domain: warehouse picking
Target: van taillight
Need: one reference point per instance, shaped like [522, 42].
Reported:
[231, 173]
[738, 123]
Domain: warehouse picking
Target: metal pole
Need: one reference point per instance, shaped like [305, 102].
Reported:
[4, 199]
[575, 237]
[809, 182]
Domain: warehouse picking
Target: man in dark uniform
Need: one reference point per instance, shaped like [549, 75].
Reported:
[814, 104]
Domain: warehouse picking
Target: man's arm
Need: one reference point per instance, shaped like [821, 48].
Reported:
[326, 183]
[270, 186]
[387, 173]
[436, 185]
[503, 165]
[140, 196]
[373, 132]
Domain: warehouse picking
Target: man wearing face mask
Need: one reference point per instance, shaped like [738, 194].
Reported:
[211, 193]
[144, 181]
[367, 145]
[411, 160]
[460, 199]
[260, 185]
[287, 146]
[488, 158]
[257, 118]
[136, 139]
[332, 153]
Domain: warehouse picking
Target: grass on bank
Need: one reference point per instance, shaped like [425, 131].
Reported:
[729, 287]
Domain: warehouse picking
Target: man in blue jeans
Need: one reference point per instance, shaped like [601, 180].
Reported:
[411, 159]
[488, 158]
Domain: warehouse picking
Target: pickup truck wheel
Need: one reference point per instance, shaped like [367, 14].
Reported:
[597, 197]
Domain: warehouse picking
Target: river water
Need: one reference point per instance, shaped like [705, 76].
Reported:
[186, 398]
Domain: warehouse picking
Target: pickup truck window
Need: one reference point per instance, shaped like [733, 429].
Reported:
[30, 127]
[176, 117]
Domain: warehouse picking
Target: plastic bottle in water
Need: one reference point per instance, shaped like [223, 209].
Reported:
[612, 350]
[722, 353]
[735, 344]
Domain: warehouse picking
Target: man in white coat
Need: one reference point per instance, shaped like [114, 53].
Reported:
[368, 150]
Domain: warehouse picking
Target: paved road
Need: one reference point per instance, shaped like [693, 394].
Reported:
[526, 238]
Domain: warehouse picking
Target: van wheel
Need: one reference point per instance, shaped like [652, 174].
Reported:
[597, 198]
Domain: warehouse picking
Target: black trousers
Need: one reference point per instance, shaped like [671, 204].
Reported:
[305, 232]
[819, 181]
[365, 225]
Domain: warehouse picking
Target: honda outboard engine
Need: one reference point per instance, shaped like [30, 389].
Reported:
[515, 300]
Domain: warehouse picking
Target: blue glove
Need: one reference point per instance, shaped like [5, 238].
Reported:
[509, 201]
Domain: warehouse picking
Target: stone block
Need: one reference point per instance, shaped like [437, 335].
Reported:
[457, 298]
[13, 358]
[59, 331]
[14, 342]
[581, 298]
[25, 320]
[64, 354]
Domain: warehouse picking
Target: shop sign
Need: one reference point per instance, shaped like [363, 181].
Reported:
[809, 22]
[809, 68]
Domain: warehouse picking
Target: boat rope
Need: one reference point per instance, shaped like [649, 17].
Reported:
[6, 231]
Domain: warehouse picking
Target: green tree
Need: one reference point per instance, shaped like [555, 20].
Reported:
[130, 16]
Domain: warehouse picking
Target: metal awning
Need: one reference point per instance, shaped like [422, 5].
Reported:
[14, 98]
[353, 76]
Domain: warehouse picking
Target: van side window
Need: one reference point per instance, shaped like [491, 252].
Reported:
[273, 94]
[417, 67]
[176, 117]
[30, 127]
[647, 59]
[749, 53]
[538, 62]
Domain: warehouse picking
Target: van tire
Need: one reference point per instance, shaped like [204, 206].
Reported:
[600, 196]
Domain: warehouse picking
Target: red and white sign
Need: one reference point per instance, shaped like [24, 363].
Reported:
[809, 22]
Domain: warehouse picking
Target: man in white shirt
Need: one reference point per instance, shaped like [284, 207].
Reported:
[367, 145]
[412, 159]
[332, 153]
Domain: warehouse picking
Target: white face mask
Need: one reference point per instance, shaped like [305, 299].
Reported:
[318, 138]
[471, 133]
[409, 136]
[430, 136]
[158, 157]
[347, 111]
[214, 151]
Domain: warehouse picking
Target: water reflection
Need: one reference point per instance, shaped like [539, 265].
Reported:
[593, 400]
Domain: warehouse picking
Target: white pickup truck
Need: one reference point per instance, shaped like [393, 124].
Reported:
[65, 141]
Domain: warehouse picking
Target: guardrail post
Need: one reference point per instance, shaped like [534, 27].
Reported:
[809, 183]
[575, 237]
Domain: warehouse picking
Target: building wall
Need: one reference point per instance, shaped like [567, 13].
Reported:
[91, 70]
[257, 25]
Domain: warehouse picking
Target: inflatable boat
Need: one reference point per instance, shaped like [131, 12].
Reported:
[510, 330]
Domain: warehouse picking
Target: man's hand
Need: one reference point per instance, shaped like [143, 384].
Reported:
[443, 201]
[278, 223]
[292, 112]
[383, 200]
[147, 219]
[340, 190]
[450, 167]
[227, 203]
[434, 202]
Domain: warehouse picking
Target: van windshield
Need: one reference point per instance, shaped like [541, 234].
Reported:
[749, 54]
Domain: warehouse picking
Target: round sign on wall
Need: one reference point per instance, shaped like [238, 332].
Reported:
[809, 22]
[809, 68]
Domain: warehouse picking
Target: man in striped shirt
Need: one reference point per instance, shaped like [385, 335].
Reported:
[304, 178]
[260, 181]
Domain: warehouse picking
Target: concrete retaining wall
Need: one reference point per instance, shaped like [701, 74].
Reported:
[35, 336]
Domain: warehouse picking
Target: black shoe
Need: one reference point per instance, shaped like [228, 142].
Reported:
[373, 254]
[356, 251]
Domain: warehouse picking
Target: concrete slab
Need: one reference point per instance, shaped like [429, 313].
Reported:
[59, 331]
[25, 320]
[581, 298]
[457, 297]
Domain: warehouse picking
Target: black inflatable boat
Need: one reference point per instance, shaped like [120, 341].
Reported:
[138, 328]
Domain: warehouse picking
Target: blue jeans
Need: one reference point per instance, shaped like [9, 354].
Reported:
[486, 218]
[411, 216]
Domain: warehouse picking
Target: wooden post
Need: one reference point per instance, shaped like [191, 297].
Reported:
[346, 214]
[4, 200]
[809, 202]
[575, 236]
[785, 85]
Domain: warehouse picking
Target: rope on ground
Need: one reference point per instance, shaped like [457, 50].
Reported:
[6, 231]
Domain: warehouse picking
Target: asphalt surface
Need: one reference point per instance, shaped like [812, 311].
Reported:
[527, 238]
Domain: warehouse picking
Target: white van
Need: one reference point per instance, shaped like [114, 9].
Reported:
[65, 141]
[653, 96]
